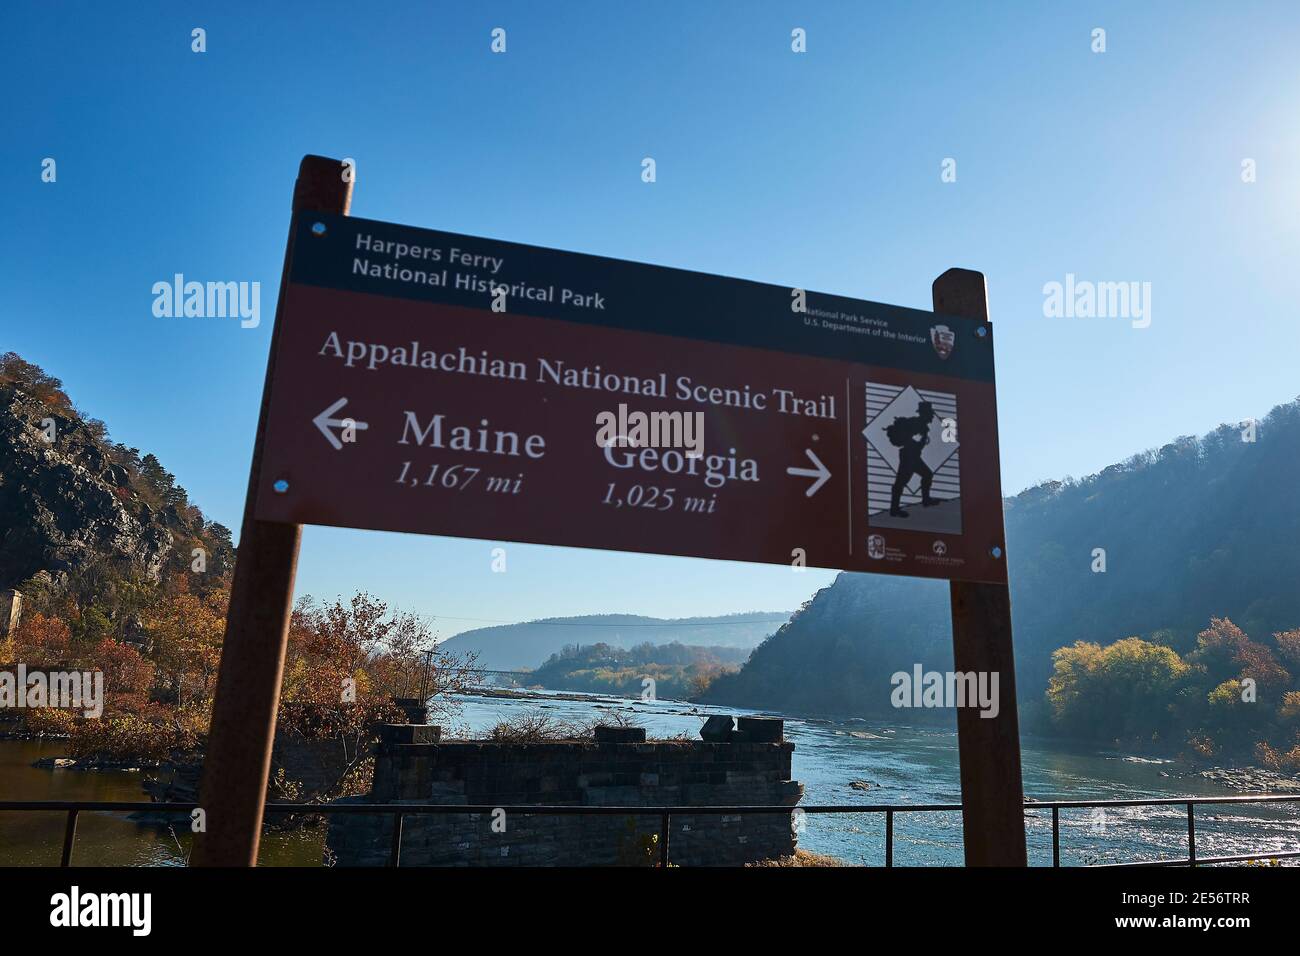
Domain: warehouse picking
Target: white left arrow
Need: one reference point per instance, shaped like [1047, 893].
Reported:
[325, 423]
[821, 473]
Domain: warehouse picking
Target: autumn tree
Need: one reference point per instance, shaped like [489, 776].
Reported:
[1123, 691]
[39, 641]
[345, 664]
[1288, 648]
[186, 631]
[128, 675]
[32, 379]
[345, 657]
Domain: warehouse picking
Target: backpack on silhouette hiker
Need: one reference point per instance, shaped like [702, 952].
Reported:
[898, 432]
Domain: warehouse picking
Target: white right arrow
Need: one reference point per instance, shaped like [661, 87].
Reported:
[821, 473]
[325, 423]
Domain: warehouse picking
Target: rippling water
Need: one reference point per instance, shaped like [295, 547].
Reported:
[903, 765]
[910, 765]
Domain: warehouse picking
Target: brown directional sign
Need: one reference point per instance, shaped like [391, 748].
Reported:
[445, 384]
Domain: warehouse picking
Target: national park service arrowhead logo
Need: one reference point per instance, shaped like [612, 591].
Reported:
[943, 339]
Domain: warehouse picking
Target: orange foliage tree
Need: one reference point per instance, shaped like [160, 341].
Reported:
[39, 641]
[186, 631]
[347, 661]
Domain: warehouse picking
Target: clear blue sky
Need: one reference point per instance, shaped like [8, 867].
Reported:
[818, 170]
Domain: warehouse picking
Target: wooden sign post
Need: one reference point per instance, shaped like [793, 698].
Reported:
[434, 383]
[237, 762]
[992, 794]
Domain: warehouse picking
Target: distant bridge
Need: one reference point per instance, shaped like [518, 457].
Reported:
[513, 675]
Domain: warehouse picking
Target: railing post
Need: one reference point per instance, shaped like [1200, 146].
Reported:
[69, 834]
[1056, 836]
[889, 838]
[1191, 834]
[395, 858]
[663, 840]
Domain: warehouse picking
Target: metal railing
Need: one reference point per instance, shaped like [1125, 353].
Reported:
[400, 811]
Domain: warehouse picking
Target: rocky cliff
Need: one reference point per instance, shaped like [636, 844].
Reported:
[69, 496]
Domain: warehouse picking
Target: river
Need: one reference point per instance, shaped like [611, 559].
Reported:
[901, 764]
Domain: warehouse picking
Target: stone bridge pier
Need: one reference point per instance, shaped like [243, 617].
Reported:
[744, 766]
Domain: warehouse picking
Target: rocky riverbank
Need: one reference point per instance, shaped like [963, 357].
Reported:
[1253, 779]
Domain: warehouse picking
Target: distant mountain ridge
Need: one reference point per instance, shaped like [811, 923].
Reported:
[1200, 528]
[529, 644]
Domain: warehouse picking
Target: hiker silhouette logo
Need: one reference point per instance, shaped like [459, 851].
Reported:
[913, 473]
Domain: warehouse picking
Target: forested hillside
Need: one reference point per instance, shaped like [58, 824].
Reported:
[70, 496]
[1198, 529]
[677, 670]
[119, 572]
[527, 645]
